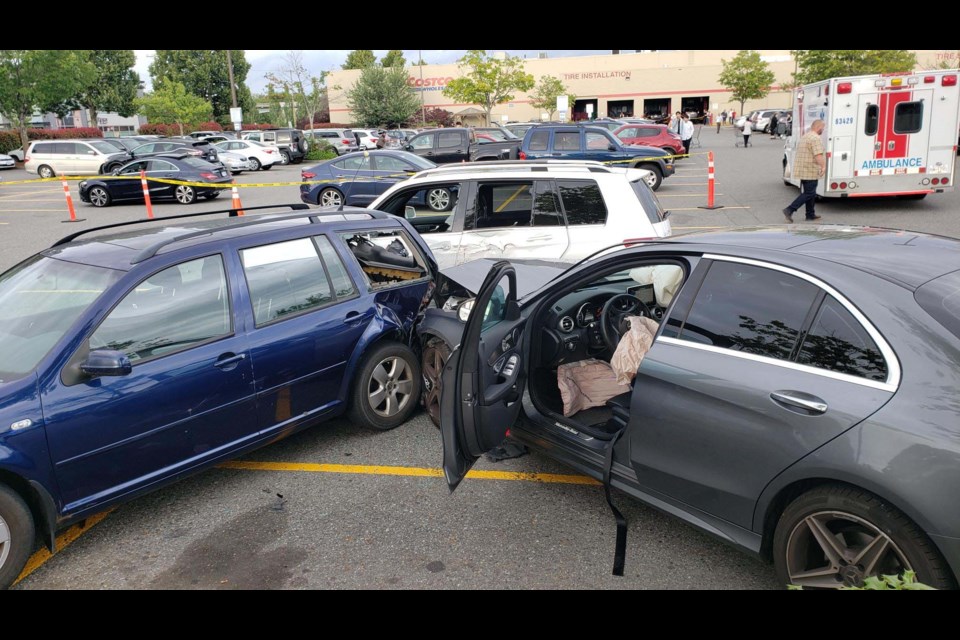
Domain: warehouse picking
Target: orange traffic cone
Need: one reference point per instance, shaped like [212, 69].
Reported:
[236, 202]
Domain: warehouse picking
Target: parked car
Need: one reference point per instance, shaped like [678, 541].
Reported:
[610, 124]
[236, 163]
[458, 144]
[366, 138]
[798, 398]
[49, 158]
[7, 162]
[125, 144]
[292, 143]
[104, 191]
[651, 135]
[577, 142]
[762, 123]
[549, 210]
[342, 140]
[196, 148]
[198, 135]
[358, 178]
[391, 139]
[519, 128]
[261, 156]
[16, 154]
[132, 359]
[499, 134]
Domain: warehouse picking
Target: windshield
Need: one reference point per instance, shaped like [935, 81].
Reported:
[103, 147]
[40, 299]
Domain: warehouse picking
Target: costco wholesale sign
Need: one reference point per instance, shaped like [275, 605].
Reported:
[427, 84]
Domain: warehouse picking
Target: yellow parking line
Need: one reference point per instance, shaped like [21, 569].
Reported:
[421, 472]
[511, 198]
[64, 540]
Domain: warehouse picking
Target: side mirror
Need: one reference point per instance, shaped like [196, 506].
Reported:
[115, 172]
[409, 212]
[105, 362]
[408, 147]
[463, 311]
[91, 153]
[612, 147]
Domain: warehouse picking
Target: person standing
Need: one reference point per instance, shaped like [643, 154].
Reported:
[747, 130]
[723, 117]
[809, 166]
[686, 133]
[676, 123]
[773, 126]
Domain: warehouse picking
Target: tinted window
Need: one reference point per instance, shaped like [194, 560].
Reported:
[170, 311]
[449, 140]
[422, 142]
[285, 279]
[387, 163]
[908, 118]
[596, 141]
[566, 141]
[629, 132]
[102, 147]
[836, 341]
[749, 309]
[504, 205]
[342, 285]
[647, 132]
[539, 140]
[161, 165]
[546, 209]
[145, 148]
[353, 163]
[44, 147]
[134, 167]
[68, 148]
[871, 121]
[197, 163]
[651, 204]
[941, 299]
[582, 202]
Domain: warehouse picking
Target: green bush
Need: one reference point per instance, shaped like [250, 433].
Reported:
[9, 140]
[320, 150]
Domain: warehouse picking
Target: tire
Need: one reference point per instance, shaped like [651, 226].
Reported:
[297, 161]
[267, 168]
[439, 199]
[330, 197]
[235, 173]
[17, 535]
[851, 519]
[387, 388]
[285, 155]
[99, 197]
[185, 194]
[656, 179]
[213, 195]
[435, 355]
[256, 164]
[45, 171]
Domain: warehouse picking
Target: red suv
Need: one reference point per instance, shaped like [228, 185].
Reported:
[651, 135]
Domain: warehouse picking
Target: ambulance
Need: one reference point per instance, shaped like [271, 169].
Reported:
[885, 134]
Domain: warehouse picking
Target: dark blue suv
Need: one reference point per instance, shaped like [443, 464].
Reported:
[129, 359]
[574, 142]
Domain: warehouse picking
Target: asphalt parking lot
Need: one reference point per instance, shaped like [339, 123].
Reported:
[341, 507]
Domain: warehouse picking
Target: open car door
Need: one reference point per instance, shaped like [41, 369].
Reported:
[484, 377]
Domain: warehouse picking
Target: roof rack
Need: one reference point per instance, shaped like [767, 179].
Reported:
[513, 165]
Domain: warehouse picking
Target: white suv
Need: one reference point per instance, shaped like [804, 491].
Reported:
[549, 210]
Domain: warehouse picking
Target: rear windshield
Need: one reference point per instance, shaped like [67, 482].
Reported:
[197, 163]
[651, 205]
[941, 299]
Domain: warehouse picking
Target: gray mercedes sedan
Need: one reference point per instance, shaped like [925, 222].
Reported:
[793, 390]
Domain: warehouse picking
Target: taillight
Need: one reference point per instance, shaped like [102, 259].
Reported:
[843, 185]
[522, 155]
[948, 81]
[844, 87]
[834, 185]
[26, 159]
[269, 150]
[307, 176]
[944, 181]
[206, 175]
[345, 141]
[928, 79]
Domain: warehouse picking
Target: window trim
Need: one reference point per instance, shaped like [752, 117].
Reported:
[896, 114]
[343, 263]
[892, 382]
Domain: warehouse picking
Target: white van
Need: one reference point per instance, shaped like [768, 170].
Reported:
[49, 158]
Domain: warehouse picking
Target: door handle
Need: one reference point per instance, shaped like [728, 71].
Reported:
[228, 359]
[353, 318]
[800, 400]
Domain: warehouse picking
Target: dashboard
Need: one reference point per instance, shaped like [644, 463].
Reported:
[572, 324]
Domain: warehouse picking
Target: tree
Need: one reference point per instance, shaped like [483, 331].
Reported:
[172, 103]
[819, 64]
[394, 58]
[381, 97]
[360, 59]
[307, 91]
[545, 94]
[488, 81]
[114, 88]
[43, 79]
[747, 77]
[204, 73]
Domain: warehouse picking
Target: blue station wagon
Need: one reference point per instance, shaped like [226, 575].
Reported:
[129, 359]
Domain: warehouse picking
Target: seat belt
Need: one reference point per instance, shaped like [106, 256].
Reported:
[619, 554]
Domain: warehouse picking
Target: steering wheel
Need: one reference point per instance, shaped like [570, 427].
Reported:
[614, 311]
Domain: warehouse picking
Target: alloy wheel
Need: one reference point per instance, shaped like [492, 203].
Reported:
[390, 387]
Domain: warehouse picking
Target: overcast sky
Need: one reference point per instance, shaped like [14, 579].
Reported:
[264, 61]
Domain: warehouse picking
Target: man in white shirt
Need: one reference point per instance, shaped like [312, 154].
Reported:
[686, 132]
[747, 130]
